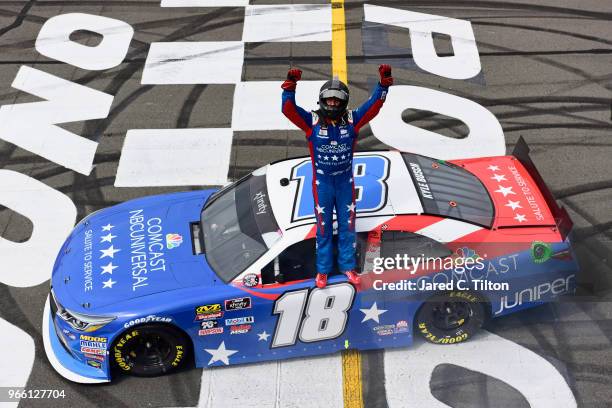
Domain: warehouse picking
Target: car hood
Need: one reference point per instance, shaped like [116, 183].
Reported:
[134, 249]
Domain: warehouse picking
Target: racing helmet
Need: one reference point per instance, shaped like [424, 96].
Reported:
[333, 89]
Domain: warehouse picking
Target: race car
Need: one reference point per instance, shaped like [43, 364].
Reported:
[226, 277]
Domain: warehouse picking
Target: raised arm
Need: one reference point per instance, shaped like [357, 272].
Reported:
[371, 107]
[290, 109]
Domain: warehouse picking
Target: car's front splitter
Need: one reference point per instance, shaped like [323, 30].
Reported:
[65, 364]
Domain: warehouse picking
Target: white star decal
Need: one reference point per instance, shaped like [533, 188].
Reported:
[320, 210]
[107, 227]
[318, 156]
[220, 354]
[111, 251]
[505, 190]
[108, 268]
[350, 221]
[334, 157]
[325, 157]
[108, 238]
[499, 177]
[317, 182]
[493, 168]
[322, 222]
[513, 204]
[343, 157]
[108, 284]
[263, 336]
[373, 313]
[520, 218]
[351, 207]
[351, 180]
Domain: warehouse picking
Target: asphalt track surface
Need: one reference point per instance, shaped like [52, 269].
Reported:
[545, 75]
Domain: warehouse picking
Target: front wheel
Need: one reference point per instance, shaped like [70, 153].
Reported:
[450, 318]
[150, 350]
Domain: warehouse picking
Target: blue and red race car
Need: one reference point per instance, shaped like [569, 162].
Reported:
[226, 277]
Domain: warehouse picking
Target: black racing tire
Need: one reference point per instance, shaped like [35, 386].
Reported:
[150, 350]
[450, 318]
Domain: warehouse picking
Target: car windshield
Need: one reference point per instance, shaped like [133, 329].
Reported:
[449, 190]
[238, 226]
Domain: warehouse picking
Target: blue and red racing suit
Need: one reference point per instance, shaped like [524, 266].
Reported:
[331, 147]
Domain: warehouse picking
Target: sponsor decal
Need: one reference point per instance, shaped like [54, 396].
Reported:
[205, 312]
[93, 356]
[69, 334]
[173, 240]
[250, 280]
[118, 350]
[214, 330]
[94, 363]
[210, 316]
[150, 318]
[384, 329]
[89, 350]
[401, 326]
[239, 320]
[540, 252]
[209, 324]
[146, 248]
[93, 344]
[240, 329]
[260, 202]
[536, 293]
[93, 338]
[238, 303]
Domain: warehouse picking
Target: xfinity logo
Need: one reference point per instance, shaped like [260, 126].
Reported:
[261, 203]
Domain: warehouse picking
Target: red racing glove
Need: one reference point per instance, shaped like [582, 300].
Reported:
[293, 76]
[385, 75]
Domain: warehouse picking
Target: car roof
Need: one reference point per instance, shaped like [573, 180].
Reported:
[390, 184]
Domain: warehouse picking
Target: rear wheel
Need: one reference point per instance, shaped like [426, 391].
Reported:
[450, 318]
[150, 350]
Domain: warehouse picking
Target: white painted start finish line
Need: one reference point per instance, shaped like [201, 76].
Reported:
[257, 104]
[174, 157]
[204, 3]
[287, 23]
[202, 62]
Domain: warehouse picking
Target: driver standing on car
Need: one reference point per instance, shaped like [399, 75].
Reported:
[331, 132]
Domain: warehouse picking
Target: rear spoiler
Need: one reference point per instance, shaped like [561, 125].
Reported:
[562, 218]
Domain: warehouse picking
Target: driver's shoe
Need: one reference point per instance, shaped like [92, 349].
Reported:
[353, 277]
[321, 280]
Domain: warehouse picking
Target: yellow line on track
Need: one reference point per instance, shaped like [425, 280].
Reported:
[351, 379]
[351, 359]
[339, 41]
